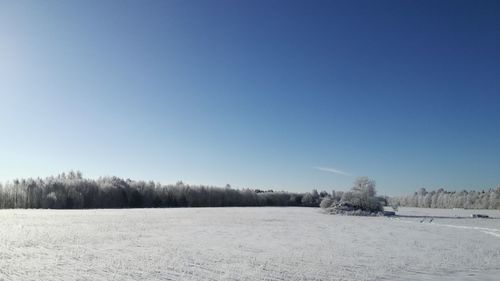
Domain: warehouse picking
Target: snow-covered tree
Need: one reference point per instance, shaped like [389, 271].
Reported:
[71, 190]
[485, 199]
[361, 197]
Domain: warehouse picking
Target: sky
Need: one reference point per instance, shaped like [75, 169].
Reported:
[288, 95]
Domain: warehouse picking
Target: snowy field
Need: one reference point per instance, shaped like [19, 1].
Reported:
[246, 244]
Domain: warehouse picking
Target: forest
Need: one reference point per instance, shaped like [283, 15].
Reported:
[485, 199]
[72, 191]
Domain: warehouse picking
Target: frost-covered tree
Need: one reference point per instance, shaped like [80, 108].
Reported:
[307, 199]
[72, 191]
[364, 192]
[361, 197]
[326, 202]
[485, 199]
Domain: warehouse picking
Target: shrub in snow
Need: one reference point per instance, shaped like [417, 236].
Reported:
[326, 202]
[361, 200]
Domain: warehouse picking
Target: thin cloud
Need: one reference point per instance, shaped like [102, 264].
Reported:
[332, 170]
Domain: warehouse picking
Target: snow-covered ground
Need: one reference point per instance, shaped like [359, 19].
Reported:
[245, 244]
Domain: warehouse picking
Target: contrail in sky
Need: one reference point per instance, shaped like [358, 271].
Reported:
[332, 170]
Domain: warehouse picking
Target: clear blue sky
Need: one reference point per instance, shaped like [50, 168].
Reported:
[287, 95]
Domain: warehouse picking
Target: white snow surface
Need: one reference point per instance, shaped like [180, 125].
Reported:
[246, 244]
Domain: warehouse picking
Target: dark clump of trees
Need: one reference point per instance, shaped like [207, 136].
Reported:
[486, 199]
[72, 191]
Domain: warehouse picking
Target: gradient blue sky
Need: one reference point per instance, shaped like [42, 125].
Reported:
[287, 95]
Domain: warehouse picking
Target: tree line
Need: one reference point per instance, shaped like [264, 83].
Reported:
[486, 199]
[73, 191]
